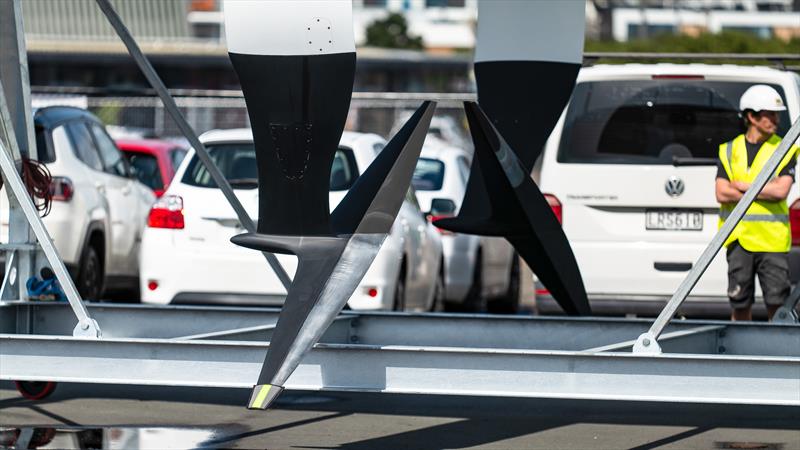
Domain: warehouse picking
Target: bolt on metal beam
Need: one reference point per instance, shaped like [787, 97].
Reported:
[186, 129]
[647, 342]
[787, 312]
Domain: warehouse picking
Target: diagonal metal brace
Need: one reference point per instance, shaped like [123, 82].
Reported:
[86, 327]
[647, 342]
[188, 132]
[787, 312]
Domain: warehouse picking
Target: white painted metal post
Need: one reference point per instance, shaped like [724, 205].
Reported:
[647, 342]
[21, 249]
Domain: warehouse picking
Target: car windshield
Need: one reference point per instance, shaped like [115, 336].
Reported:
[660, 121]
[237, 162]
[147, 170]
[428, 175]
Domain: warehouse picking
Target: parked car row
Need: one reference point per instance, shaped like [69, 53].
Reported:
[629, 170]
[121, 223]
[187, 256]
[99, 208]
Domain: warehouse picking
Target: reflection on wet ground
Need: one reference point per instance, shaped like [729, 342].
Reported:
[108, 438]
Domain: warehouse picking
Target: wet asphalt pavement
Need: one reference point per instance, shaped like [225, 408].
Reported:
[215, 418]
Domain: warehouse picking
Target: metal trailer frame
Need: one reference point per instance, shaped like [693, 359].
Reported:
[481, 355]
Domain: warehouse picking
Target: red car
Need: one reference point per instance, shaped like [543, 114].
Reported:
[155, 161]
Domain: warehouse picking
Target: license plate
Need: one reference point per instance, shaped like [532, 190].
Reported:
[670, 219]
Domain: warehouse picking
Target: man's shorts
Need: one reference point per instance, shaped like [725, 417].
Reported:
[773, 275]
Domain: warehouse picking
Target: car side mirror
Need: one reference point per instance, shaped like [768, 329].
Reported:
[442, 207]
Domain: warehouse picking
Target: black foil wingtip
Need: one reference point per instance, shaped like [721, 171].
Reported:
[502, 200]
[288, 245]
[373, 202]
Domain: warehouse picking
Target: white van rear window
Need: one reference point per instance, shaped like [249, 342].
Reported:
[677, 121]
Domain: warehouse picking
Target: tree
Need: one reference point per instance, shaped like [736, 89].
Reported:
[392, 32]
[725, 42]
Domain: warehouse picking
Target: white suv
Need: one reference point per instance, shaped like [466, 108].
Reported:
[99, 210]
[480, 272]
[631, 167]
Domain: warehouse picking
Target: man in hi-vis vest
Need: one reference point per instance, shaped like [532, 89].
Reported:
[760, 242]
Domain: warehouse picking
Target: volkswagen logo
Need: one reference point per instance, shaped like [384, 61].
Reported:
[674, 186]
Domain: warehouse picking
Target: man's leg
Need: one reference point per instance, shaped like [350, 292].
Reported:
[741, 282]
[773, 275]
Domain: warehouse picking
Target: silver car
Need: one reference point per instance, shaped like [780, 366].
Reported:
[480, 273]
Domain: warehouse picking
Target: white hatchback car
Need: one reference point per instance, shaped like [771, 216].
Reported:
[99, 209]
[480, 272]
[631, 167]
[187, 256]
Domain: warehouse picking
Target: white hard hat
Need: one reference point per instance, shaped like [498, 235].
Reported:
[761, 97]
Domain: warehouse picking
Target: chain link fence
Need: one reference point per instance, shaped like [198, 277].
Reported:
[145, 116]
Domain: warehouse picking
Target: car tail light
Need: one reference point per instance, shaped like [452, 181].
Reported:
[61, 189]
[555, 205]
[794, 219]
[372, 292]
[433, 219]
[167, 212]
[152, 285]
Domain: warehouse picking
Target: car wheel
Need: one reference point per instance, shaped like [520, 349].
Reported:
[90, 275]
[35, 390]
[509, 302]
[475, 301]
[400, 290]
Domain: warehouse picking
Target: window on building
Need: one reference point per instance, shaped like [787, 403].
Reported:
[636, 30]
[759, 32]
[444, 3]
[373, 3]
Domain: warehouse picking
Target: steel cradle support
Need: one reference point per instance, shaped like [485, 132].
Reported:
[709, 361]
[411, 369]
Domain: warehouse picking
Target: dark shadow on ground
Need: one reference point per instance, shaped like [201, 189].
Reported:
[476, 420]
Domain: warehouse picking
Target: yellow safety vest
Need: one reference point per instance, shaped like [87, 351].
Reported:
[765, 226]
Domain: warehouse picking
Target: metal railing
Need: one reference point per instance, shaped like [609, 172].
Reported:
[145, 116]
[81, 20]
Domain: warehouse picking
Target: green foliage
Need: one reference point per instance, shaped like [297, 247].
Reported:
[109, 115]
[725, 42]
[392, 32]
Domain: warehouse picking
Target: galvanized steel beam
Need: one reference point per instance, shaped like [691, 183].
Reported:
[441, 330]
[411, 369]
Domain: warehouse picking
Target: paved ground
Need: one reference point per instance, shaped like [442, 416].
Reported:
[380, 421]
